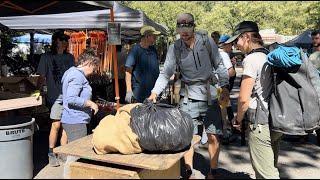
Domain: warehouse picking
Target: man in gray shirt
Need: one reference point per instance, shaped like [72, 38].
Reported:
[197, 57]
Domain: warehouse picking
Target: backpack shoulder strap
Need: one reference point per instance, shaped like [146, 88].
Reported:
[262, 50]
[206, 43]
[177, 53]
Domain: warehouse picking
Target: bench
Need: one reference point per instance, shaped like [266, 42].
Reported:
[135, 166]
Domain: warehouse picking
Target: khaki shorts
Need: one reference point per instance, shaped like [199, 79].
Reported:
[56, 111]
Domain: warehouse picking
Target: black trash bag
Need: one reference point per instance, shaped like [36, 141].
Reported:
[161, 127]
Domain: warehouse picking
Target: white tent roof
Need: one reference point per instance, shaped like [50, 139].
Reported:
[131, 21]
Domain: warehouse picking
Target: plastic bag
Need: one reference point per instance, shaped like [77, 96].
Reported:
[161, 127]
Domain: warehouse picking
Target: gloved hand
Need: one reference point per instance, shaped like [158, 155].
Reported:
[129, 96]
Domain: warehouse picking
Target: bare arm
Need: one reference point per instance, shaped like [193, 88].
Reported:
[244, 97]
[128, 79]
[231, 72]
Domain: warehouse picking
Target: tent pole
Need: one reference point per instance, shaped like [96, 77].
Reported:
[31, 45]
[115, 65]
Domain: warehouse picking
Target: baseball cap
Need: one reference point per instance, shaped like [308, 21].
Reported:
[223, 38]
[149, 30]
[244, 26]
[60, 35]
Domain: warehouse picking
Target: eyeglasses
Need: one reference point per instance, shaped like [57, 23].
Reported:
[236, 41]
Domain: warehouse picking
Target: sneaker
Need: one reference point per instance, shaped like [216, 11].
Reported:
[53, 160]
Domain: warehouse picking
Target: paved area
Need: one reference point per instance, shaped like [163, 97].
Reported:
[297, 159]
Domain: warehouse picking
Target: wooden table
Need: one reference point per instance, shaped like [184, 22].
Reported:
[134, 166]
[14, 101]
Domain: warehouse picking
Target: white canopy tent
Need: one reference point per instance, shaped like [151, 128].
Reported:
[131, 21]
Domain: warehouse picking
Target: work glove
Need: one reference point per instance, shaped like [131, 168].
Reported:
[129, 96]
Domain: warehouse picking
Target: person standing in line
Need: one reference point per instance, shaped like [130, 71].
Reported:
[51, 67]
[76, 96]
[255, 90]
[142, 66]
[315, 59]
[198, 60]
[227, 112]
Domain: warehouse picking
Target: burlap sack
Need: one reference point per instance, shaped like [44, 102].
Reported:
[113, 134]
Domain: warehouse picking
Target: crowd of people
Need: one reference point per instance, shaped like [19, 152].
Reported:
[207, 72]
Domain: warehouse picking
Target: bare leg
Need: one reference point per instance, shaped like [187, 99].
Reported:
[54, 132]
[188, 158]
[64, 138]
[214, 149]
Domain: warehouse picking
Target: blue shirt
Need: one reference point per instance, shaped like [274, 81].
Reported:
[145, 70]
[75, 91]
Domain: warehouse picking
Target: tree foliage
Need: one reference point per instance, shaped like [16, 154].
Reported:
[286, 17]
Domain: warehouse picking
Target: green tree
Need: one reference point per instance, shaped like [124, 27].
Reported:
[313, 15]
[286, 17]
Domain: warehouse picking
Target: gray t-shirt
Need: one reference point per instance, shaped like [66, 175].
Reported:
[52, 67]
[315, 59]
[255, 65]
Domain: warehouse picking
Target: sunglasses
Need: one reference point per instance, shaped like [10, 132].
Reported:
[236, 41]
[185, 25]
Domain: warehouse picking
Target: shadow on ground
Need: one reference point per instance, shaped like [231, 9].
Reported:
[202, 164]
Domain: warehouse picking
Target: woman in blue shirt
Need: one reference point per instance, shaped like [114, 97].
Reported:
[77, 92]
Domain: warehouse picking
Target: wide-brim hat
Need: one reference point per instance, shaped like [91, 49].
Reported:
[244, 26]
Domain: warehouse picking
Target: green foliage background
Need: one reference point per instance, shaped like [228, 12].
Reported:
[286, 17]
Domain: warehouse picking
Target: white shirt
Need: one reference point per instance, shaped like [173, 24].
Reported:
[226, 59]
[255, 66]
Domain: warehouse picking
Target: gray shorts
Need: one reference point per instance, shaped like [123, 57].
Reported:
[201, 113]
[56, 111]
[75, 131]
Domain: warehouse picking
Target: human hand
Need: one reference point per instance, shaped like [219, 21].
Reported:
[236, 124]
[128, 97]
[153, 97]
[92, 106]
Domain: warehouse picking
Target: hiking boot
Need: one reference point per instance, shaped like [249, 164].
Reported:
[53, 160]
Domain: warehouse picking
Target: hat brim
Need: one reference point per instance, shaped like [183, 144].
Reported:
[233, 38]
[156, 32]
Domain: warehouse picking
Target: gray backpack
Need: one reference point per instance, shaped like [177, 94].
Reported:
[294, 105]
[295, 101]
